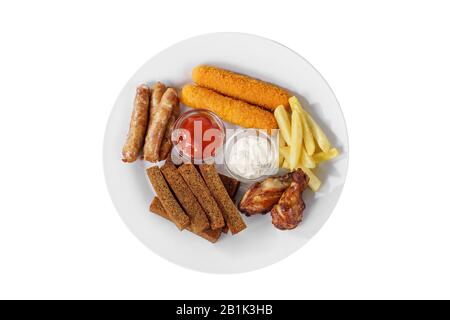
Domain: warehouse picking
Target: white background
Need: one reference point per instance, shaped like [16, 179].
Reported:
[62, 66]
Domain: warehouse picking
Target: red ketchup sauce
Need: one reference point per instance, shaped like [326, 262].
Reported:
[200, 136]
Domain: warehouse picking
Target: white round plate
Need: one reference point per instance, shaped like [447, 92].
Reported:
[260, 244]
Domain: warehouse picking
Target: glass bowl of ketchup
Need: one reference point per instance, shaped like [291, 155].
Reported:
[198, 135]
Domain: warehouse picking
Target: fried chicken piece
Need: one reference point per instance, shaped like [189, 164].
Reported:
[288, 212]
[262, 196]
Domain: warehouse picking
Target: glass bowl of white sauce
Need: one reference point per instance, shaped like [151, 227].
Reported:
[251, 155]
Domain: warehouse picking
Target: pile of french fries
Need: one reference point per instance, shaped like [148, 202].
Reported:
[303, 144]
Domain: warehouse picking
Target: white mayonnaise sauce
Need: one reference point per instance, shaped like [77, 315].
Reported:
[250, 157]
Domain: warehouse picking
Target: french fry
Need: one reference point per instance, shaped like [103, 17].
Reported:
[295, 104]
[314, 182]
[308, 138]
[316, 131]
[285, 151]
[296, 139]
[309, 135]
[325, 156]
[280, 159]
[318, 134]
[282, 117]
[281, 143]
[306, 161]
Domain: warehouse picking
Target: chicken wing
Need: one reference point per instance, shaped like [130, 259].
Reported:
[262, 196]
[288, 213]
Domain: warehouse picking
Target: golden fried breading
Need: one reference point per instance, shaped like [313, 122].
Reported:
[241, 87]
[229, 109]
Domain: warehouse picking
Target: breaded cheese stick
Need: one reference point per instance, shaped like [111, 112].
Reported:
[138, 125]
[158, 125]
[168, 201]
[229, 109]
[208, 234]
[166, 144]
[200, 190]
[186, 198]
[239, 86]
[231, 214]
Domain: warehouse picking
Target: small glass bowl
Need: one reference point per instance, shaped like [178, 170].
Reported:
[177, 125]
[241, 133]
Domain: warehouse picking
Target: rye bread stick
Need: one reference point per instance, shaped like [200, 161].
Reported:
[232, 185]
[200, 190]
[166, 144]
[158, 90]
[227, 185]
[208, 234]
[168, 201]
[231, 214]
[225, 229]
[229, 109]
[242, 87]
[138, 125]
[158, 125]
[186, 198]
